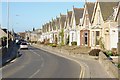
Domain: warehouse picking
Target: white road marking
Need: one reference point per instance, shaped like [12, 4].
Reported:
[35, 52]
[82, 71]
[34, 73]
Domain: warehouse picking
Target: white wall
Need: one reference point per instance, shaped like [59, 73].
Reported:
[73, 37]
[113, 38]
[78, 38]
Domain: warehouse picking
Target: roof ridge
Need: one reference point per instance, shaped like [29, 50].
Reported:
[78, 8]
[90, 2]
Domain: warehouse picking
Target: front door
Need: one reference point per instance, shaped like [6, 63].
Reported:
[86, 38]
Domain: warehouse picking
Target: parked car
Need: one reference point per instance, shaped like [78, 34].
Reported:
[23, 45]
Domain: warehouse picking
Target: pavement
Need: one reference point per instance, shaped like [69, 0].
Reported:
[91, 67]
[37, 63]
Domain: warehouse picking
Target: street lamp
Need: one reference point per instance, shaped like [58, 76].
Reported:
[7, 23]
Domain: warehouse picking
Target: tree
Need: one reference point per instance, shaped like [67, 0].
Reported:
[101, 43]
[62, 36]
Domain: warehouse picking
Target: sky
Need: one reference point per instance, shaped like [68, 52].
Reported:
[26, 15]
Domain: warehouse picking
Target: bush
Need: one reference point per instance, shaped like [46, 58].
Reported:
[94, 52]
[109, 53]
[74, 43]
[52, 44]
[119, 65]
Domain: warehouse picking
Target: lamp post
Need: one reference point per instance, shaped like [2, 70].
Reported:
[7, 23]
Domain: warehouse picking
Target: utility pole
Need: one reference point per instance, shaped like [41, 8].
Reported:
[7, 23]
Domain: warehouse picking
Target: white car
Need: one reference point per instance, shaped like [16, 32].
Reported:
[23, 45]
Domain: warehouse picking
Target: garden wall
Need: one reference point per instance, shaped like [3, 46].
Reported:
[108, 65]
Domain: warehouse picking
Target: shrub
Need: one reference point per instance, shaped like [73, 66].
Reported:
[119, 65]
[54, 45]
[94, 52]
[109, 53]
[74, 43]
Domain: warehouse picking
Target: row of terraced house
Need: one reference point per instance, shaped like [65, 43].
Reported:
[96, 25]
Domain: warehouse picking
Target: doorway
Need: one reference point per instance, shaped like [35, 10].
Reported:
[86, 38]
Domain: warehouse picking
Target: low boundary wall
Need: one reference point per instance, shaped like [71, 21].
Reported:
[108, 65]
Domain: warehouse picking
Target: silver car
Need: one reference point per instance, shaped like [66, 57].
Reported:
[23, 45]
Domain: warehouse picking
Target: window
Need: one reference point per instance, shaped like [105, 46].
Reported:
[97, 33]
[113, 30]
[107, 30]
[97, 37]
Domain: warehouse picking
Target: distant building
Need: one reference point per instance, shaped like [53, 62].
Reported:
[22, 35]
[34, 36]
[2, 34]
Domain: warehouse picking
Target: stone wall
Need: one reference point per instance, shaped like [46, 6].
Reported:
[108, 65]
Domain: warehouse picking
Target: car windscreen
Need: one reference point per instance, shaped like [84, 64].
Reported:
[24, 44]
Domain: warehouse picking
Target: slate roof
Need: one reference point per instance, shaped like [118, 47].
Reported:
[78, 12]
[69, 15]
[107, 9]
[62, 20]
[90, 8]
[43, 28]
[53, 24]
[47, 25]
[57, 22]
[5, 30]
[50, 25]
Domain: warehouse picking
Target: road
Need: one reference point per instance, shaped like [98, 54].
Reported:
[36, 63]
